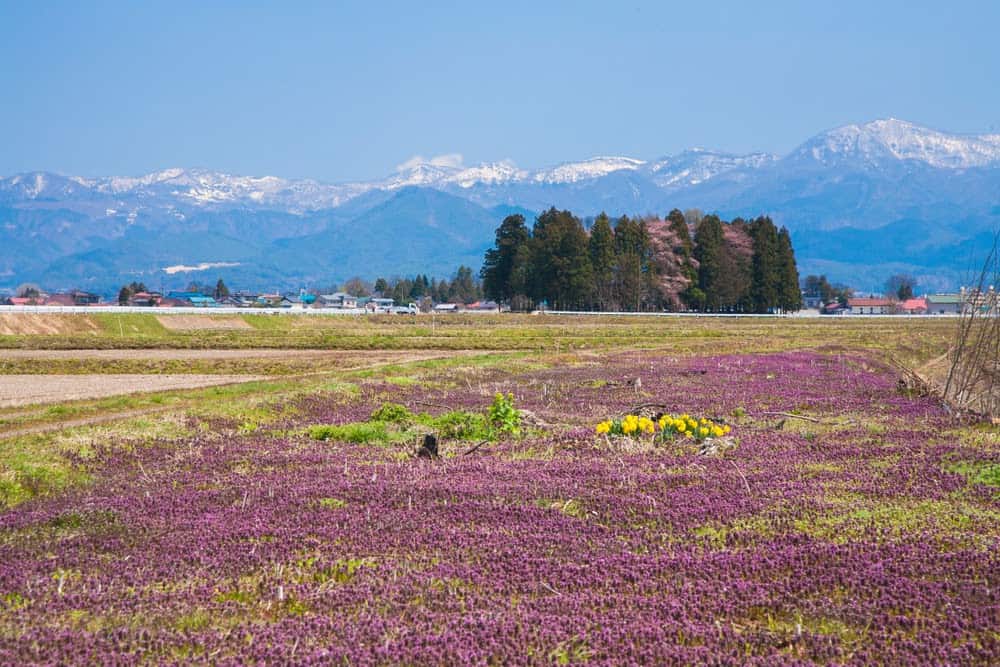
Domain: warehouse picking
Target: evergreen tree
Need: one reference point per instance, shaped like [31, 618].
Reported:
[221, 291]
[709, 250]
[602, 261]
[678, 225]
[124, 294]
[561, 271]
[790, 296]
[381, 286]
[632, 261]
[417, 289]
[499, 263]
[463, 286]
[766, 274]
[737, 267]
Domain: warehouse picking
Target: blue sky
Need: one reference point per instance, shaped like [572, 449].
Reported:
[344, 91]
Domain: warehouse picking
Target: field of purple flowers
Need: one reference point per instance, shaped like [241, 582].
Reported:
[861, 526]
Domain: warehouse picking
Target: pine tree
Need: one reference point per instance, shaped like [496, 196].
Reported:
[678, 225]
[790, 296]
[221, 291]
[766, 274]
[499, 263]
[709, 250]
[561, 269]
[463, 287]
[602, 261]
[632, 261]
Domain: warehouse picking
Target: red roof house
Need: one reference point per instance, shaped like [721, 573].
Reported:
[915, 306]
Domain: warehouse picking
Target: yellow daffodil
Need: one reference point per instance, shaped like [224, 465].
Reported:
[646, 425]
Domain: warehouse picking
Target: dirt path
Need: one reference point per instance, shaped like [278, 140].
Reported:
[88, 421]
[402, 357]
[367, 357]
[18, 390]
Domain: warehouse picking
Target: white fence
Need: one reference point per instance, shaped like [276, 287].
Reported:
[180, 310]
[297, 310]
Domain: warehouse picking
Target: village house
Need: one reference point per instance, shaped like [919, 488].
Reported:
[273, 301]
[193, 299]
[812, 301]
[869, 306]
[944, 304]
[915, 306]
[983, 302]
[338, 300]
[145, 299]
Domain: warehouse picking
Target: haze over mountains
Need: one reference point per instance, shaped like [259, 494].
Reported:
[861, 201]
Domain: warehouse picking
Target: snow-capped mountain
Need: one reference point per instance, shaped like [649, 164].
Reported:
[857, 199]
[881, 141]
[699, 165]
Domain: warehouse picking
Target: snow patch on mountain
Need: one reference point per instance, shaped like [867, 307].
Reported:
[891, 139]
[572, 172]
[698, 165]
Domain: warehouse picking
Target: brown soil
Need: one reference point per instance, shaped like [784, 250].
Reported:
[200, 322]
[19, 324]
[18, 390]
[351, 358]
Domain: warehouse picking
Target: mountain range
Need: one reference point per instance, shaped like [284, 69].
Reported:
[861, 201]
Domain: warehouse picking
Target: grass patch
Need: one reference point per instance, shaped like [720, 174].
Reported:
[130, 325]
[393, 423]
[978, 472]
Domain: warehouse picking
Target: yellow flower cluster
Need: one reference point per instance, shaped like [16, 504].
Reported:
[668, 426]
[631, 425]
[690, 427]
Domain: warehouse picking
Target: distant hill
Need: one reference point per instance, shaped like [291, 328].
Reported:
[861, 201]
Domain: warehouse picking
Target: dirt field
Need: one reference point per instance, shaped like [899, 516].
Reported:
[350, 358]
[16, 390]
[199, 322]
[20, 324]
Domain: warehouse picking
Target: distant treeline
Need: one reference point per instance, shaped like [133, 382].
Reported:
[687, 261]
[462, 288]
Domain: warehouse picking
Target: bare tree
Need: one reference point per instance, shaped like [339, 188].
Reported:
[973, 382]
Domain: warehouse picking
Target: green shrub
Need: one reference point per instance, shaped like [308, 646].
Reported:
[460, 425]
[359, 432]
[503, 416]
[393, 413]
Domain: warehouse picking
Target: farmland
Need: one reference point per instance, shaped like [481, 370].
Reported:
[284, 517]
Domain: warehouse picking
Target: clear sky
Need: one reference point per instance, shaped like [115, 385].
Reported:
[342, 91]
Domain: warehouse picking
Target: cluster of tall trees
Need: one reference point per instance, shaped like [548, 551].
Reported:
[687, 261]
[463, 287]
